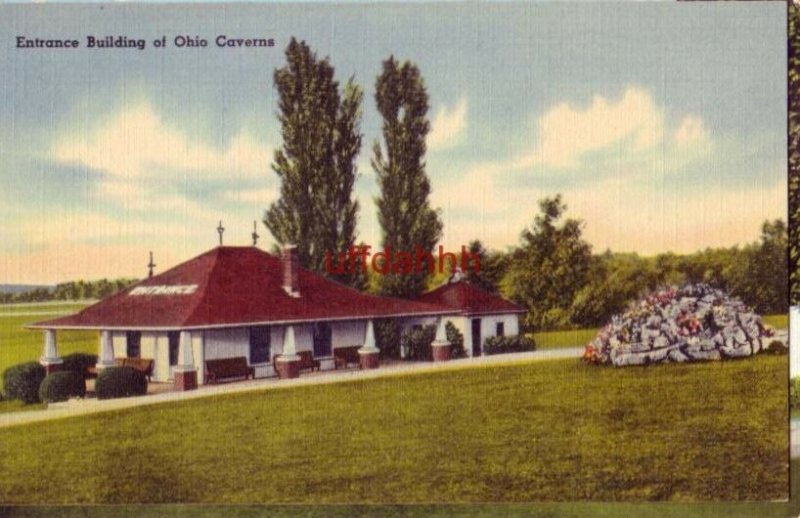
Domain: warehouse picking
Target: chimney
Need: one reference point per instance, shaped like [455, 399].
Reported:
[291, 265]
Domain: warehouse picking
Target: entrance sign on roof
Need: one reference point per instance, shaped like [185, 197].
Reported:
[186, 289]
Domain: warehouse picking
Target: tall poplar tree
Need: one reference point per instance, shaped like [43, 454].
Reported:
[404, 212]
[316, 164]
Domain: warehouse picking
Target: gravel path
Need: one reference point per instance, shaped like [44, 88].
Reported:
[92, 406]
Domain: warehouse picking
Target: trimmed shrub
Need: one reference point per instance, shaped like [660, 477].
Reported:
[387, 337]
[117, 382]
[62, 385]
[456, 340]
[79, 363]
[22, 382]
[776, 347]
[417, 342]
[508, 344]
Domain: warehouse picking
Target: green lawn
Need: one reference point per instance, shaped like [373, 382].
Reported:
[536, 510]
[777, 321]
[560, 339]
[554, 431]
[61, 307]
[18, 344]
[7, 406]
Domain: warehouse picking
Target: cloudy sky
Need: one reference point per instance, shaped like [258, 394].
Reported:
[663, 125]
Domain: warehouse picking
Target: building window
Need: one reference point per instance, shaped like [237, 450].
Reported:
[174, 339]
[500, 331]
[134, 344]
[322, 339]
[259, 344]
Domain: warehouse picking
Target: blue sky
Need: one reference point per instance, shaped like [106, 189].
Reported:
[662, 124]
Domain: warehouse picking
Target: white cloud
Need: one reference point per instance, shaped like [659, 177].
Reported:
[648, 217]
[691, 131]
[448, 126]
[637, 199]
[136, 144]
[85, 225]
[634, 123]
[140, 200]
[262, 197]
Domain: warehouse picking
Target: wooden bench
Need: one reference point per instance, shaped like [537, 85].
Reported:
[144, 365]
[306, 362]
[342, 356]
[226, 368]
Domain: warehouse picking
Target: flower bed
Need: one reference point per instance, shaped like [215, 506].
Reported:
[692, 323]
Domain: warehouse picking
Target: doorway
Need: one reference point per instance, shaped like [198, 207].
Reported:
[476, 337]
[322, 340]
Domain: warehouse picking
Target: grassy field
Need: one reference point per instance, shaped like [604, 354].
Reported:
[777, 321]
[547, 510]
[560, 339]
[42, 307]
[18, 344]
[554, 431]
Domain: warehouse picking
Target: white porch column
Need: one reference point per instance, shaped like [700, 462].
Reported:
[105, 358]
[185, 352]
[185, 372]
[288, 365]
[50, 359]
[440, 347]
[289, 345]
[369, 352]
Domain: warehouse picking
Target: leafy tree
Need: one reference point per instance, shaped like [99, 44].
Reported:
[316, 164]
[456, 339]
[761, 278]
[607, 290]
[549, 268]
[493, 265]
[404, 213]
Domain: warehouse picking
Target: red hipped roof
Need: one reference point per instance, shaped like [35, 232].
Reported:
[234, 286]
[468, 299]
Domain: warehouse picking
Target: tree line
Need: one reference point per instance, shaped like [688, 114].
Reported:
[73, 290]
[554, 273]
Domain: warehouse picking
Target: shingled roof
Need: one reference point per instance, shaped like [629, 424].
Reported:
[233, 286]
[469, 299]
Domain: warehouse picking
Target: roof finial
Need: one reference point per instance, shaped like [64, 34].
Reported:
[254, 235]
[220, 229]
[151, 265]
